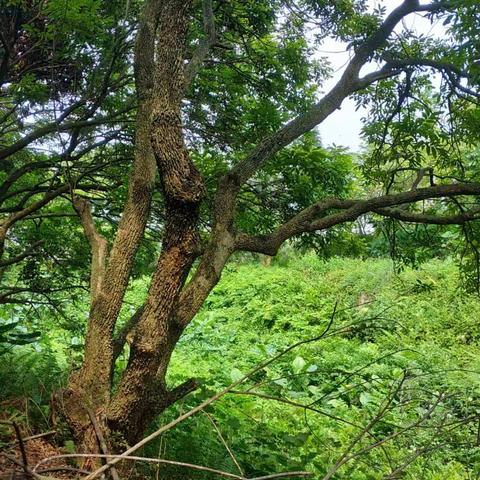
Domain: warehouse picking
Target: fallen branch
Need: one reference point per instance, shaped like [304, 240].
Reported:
[34, 437]
[21, 444]
[101, 441]
[220, 473]
[27, 470]
[64, 469]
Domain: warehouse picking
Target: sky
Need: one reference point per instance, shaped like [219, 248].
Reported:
[343, 126]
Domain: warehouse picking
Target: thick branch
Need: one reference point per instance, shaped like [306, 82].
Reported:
[308, 220]
[425, 62]
[405, 216]
[453, 73]
[348, 84]
[183, 190]
[181, 391]
[221, 244]
[96, 372]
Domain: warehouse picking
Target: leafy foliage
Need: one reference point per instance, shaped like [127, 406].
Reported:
[401, 372]
[413, 325]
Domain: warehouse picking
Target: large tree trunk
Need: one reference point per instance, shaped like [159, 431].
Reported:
[142, 392]
[90, 387]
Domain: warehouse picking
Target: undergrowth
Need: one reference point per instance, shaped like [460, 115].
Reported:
[415, 330]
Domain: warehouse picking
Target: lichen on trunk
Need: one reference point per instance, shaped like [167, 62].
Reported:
[142, 392]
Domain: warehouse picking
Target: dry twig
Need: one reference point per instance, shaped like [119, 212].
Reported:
[173, 462]
[101, 441]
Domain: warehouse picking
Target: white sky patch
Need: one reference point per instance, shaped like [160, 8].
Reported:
[343, 127]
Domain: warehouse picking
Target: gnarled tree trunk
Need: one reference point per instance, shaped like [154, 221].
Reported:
[90, 388]
[162, 76]
[142, 392]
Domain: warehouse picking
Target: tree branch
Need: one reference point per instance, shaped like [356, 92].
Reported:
[209, 401]
[18, 258]
[348, 84]
[205, 44]
[121, 338]
[14, 217]
[112, 458]
[57, 126]
[405, 216]
[19, 172]
[222, 243]
[98, 245]
[101, 441]
[181, 391]
[308, 219]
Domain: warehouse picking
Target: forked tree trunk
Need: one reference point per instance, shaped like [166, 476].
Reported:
[142, 392]
[160, 81]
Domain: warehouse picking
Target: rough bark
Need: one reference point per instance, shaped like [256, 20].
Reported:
[90, 387]
[315, 217]
[142, 392]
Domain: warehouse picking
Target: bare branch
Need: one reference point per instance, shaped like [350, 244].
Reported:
[28, 472]
[295, 404]
[308, 221]
[204, 45]
[172, 462]
[101, 441]
[225, 444]
[38, 435]
[98, 244]
[21, 444]
[347, 457]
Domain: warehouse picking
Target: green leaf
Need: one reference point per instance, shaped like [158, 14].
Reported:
[298, 364]
[236, 375]
[365, 398]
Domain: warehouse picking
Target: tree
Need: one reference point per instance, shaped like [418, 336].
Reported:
[62, 106]
[216, 108]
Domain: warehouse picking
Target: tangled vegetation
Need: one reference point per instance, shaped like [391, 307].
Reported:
[405, 343]
[159, 158]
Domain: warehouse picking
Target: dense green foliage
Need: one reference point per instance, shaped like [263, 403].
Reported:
[413, 325]
[393, 383]
[66, 66]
